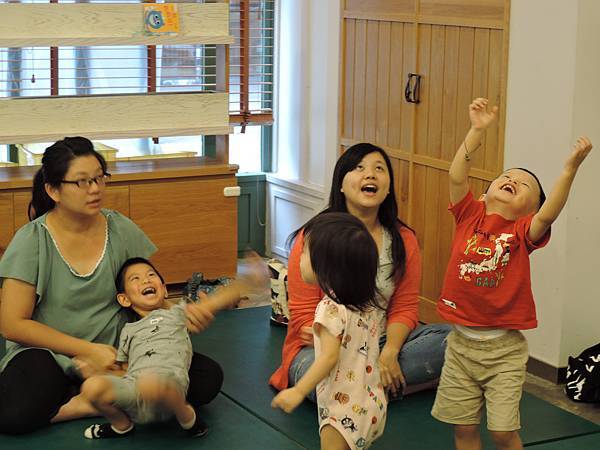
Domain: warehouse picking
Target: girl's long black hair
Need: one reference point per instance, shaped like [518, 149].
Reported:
[344, 259]
[55, 164]
[388, 210]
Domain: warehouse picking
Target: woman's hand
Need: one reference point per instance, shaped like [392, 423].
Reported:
[307, 336]
[85, 369]
[392, 377]
[480, 117]
[88, 369]
[199, 315]
[98, 358]
[287, 400]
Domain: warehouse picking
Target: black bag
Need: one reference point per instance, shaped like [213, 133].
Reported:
[583, 376]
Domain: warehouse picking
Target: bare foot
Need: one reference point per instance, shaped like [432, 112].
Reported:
[76, 408]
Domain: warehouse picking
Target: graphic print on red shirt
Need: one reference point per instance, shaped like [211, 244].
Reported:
[487, 282]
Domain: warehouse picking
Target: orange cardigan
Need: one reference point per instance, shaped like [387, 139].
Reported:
[303, 300]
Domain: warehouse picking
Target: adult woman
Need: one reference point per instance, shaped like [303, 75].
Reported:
[58, 310]
[411, 356]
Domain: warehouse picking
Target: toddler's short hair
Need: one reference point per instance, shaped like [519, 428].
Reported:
[120, 280]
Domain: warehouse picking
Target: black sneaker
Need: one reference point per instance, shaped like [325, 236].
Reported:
[199, 429]
[104, 430]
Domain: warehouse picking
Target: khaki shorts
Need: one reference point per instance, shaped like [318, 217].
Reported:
[475, 372]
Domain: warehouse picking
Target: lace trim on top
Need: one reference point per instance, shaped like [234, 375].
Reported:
[385, 284]
[73, 271]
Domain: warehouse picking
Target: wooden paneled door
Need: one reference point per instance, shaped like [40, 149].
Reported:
[460, 50]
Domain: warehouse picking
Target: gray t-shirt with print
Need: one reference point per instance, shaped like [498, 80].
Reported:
[158, 343]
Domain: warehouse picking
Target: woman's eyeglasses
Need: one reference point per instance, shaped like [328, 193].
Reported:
[86, 183]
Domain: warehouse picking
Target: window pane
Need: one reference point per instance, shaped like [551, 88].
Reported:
[185, 68]
[24, 71]
[178, 144]
[102, 70]
[245, 149]
[171, 146]
[260, 33]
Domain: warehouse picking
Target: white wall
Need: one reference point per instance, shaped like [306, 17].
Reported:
[581, 309]
[306, 136]
[552, 98]
[292, 86]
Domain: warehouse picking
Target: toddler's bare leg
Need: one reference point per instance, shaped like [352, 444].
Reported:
[158, 390]
[76, 408]
[507, 440]
[466, 437]
[161, 391]
[99, 392]
[331, 439]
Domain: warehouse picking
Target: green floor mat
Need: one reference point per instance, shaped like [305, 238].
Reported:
[249, 349]
[231, 427]
[587, 442]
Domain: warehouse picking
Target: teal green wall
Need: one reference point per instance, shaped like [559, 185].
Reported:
[251, 212]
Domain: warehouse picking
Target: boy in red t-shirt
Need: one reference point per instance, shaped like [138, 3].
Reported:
[487, 289]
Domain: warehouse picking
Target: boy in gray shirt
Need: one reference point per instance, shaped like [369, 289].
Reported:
[156, 352]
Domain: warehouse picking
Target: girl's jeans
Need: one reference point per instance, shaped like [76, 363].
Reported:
[421, 357]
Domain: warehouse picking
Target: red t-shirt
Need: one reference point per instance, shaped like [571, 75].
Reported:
[488, 280]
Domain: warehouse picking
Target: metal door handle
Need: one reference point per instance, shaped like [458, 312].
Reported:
[412, 91]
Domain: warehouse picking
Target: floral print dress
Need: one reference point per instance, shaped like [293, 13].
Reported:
[352, 399]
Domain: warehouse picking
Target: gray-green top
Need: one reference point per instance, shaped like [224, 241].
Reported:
[83, 306]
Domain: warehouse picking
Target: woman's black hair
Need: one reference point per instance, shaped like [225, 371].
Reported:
[388, 210]
[55, 164]
[120, 280]
[344, 258]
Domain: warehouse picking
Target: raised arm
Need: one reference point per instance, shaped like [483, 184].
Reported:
[289, 399]
[16, 324]
[481, 119]
[252, 279]
[560, 192]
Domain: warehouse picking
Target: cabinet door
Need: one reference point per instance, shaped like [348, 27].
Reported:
[6, 224]
[117, 197]
[191, 222]
[21, 203]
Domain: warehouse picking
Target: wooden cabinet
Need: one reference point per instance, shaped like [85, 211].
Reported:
[191, 221]
[460, 50]
[6, 221]
[179, 204]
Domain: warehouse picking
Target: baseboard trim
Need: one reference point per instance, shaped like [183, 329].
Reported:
[557, 375]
